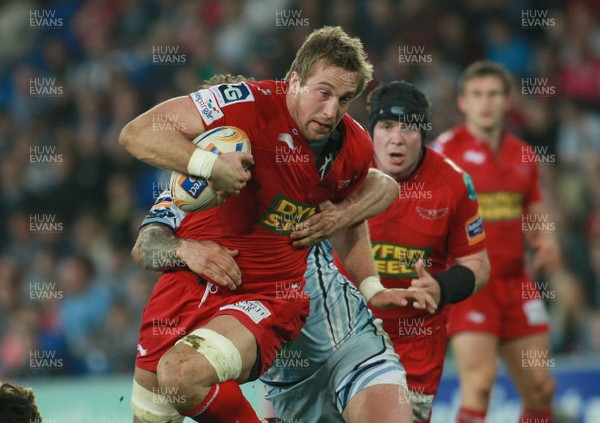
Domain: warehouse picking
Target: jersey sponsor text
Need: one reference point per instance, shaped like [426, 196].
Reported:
[500, 205]
[284, 215]
[397, 260]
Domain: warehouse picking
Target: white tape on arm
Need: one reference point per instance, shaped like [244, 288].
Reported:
[201, 163]
[370, 286]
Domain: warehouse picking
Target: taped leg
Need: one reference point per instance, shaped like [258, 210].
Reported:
[152, 407]
[206, 366]
[220, 352]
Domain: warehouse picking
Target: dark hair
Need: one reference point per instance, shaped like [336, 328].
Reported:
[485, 68]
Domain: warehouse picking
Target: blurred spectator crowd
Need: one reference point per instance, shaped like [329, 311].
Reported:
[73, 73]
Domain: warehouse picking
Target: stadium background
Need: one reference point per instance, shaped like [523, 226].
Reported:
[73, 73]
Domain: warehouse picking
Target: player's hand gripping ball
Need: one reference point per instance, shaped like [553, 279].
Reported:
[191, 193]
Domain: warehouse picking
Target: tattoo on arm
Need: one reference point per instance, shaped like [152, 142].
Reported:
[158, 248]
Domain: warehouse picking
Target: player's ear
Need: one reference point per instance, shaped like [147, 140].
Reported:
[294, 78]
[460, 102]
[295, 83]
[510, 101]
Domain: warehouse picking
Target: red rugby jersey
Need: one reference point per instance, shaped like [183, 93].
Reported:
[507, 183]
[435, 218]
[285, 187]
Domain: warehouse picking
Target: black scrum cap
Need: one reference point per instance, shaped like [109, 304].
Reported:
[396, 101]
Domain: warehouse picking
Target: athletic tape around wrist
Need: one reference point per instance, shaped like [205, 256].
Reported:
[370, 286]
[201, 163]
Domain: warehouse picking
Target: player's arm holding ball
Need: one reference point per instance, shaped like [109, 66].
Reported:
[162, 137]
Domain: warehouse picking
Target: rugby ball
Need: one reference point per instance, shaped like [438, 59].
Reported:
[191, 193]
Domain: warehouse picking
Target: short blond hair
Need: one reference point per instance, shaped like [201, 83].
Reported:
[332, 46]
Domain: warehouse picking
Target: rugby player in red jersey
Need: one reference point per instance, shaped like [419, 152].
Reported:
[430, 237]
[508, 316]
[232, 335]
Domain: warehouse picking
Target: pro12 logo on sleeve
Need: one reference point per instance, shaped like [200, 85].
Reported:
[205, 102]
[227, 94]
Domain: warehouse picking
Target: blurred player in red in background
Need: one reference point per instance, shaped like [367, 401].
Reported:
[224, 337]
[508, 316]
[431, 237]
